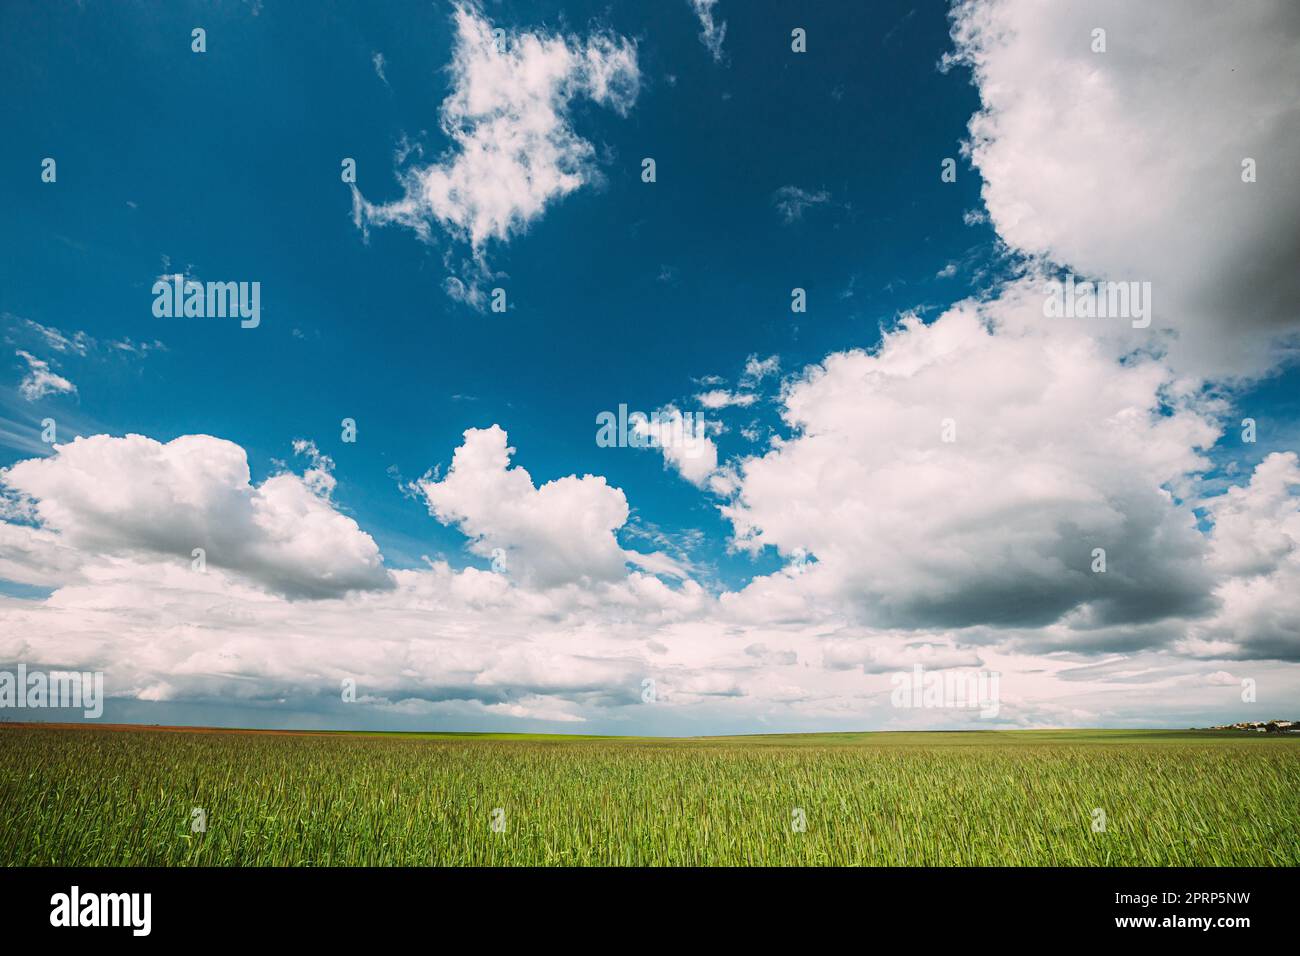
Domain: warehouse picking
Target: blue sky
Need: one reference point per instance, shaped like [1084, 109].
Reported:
[775, 170]
[228, 163]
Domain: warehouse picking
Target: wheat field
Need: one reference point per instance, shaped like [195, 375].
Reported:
[136, 797]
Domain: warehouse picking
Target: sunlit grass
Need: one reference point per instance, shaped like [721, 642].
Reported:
[103, 797]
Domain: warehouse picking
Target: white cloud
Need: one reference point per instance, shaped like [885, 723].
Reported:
[136, 497]
[1257, 525]
[684, 441]
[1058, 449]
[752, 376]
[40, 380]
[882, 658]
[712, 33]
[78, 342]
[1127, 164]
[514, 149]
[559, 639]
[791, 201]
[757, 369]
[31, 555]
[137, 348]
[721, 398]
[537, 707]
[562, 532]
[1255, 545]
[557, 634]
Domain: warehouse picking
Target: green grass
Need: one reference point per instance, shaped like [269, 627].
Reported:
[1172, 798]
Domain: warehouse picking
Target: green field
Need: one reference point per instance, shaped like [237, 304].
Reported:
[99, 796]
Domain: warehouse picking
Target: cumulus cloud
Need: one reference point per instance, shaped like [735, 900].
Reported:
[562, 532]
[963, 472]
[1127, 164]
[40, 380]
[513, 148]
[683, 439]
[1063, 436]
[1257, 525]
[102, 521]
[1256, 546]
[133, 496]
[32, 555]
[563, 636]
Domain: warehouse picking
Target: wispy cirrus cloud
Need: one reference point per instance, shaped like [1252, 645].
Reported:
[722, 398]
[76, 343]
[40, 380]
[712, 31]
[791, 202]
